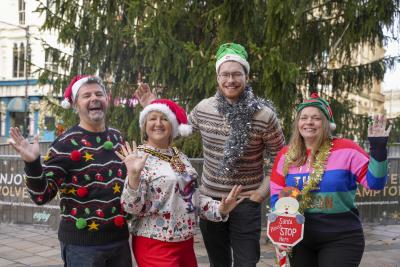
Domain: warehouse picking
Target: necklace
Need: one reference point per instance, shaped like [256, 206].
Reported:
[315, 176]
[174, 160]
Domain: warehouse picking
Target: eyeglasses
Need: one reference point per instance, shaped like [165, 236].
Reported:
[226, 75]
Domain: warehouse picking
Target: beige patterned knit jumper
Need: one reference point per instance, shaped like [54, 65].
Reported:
[266, 136]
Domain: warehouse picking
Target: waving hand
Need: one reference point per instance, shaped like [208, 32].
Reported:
[134, 163]
[144, 94]
[378, 127]
[28, 152]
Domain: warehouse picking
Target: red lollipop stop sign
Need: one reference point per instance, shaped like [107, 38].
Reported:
[285, 230]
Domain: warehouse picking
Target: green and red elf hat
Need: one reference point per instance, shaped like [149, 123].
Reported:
[232, 52]
[316, 101]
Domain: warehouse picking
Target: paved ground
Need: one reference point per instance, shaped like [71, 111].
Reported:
[29, 245]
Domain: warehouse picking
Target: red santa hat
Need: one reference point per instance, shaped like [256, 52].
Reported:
[72, 90]
[175, 114]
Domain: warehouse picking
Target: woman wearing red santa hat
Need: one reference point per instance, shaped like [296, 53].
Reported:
[161, 192]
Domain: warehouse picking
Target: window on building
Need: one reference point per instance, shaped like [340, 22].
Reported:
[28, 60]
[49, 123]
[21, 11]
[17, 120]
[49, 64]
[19, 63]
[21, 59]
[15, 60]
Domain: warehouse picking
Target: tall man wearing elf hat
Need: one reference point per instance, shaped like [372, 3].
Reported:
[236, 129]
[82, 167]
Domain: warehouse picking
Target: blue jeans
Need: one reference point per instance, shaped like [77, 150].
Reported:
[240, 234]
[117, 254]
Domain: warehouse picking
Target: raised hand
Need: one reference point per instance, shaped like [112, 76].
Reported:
[231, 201]
[144, 95]
[134, 163]
[378, 127]
[28, 152]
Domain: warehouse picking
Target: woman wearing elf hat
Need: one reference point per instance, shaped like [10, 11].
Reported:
[327, 170]
[161, 193]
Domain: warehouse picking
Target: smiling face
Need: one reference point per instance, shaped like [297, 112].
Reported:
[231, 80]
[91, 104]
[158, 129]
[287, 205]
[310, 125]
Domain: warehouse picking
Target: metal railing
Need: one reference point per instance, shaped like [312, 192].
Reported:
[16, 206]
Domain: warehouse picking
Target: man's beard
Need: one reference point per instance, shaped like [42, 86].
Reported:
[96, 116]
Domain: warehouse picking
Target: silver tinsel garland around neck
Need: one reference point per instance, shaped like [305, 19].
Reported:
[239, 116]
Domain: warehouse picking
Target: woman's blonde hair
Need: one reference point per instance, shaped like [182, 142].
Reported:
[297, 145]
[143, 135]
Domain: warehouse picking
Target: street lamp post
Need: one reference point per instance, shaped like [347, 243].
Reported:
[26, 74]
[26, 117]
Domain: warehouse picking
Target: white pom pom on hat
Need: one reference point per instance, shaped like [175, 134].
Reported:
[65, 103]
[185, 129]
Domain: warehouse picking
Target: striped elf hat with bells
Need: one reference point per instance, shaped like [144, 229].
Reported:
[232, 52]
[316, 101]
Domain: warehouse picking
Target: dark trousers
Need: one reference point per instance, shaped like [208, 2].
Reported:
[240, 234]
[320, 249]
[117, 254]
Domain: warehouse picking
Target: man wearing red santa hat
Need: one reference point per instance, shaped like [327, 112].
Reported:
[82, 167]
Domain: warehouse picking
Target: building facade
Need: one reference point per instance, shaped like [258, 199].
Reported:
[22, 55]
[370, 100]
[392, 103]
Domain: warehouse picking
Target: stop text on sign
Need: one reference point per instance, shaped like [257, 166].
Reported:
[285, 230]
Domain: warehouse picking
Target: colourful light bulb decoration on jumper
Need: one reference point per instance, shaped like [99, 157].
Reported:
[87, 211]
[99, 177]
[74, 211]
[86, 143]
[100, 213]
